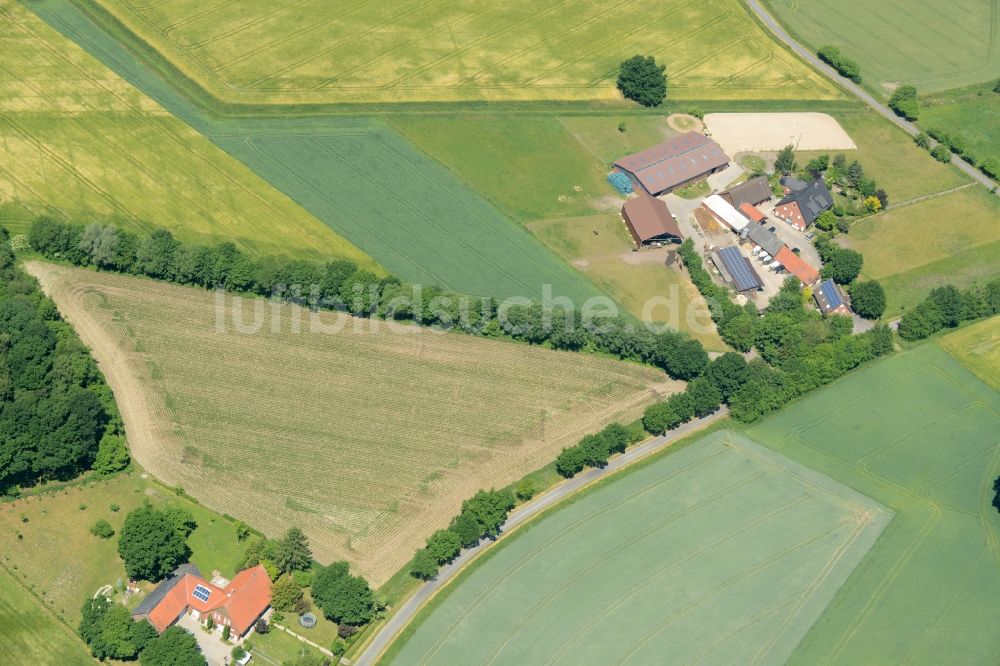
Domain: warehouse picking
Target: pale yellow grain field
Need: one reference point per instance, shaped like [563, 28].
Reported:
[367, 439]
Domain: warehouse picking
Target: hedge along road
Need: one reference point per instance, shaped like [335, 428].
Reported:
[357, 176]
[810, 57]
[398, 621]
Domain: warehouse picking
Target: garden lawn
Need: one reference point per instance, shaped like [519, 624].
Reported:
[953, 238]
[322, 51]
[889, 155]
[76, 141]
[918, 433]
[721, 551]
[30, 634]
[64, 563]
[920, 42]
[642, 282]
[977, 346]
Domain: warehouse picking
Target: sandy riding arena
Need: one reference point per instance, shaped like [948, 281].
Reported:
[737, 132]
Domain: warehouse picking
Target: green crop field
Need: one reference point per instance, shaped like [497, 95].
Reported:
[721, 552]
[79, 142]
[920, 434]
[318, 51]
[363, 181]
[953, 238]
[30, 635]
[971, 113]
[977, 346]
[930, 44]
[366, 434]
[66, 570]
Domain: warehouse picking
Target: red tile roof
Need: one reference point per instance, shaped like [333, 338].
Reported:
[244, 599]
[752, 213]
[795, 265]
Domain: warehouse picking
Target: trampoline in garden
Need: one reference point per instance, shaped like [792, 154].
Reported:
[308, 620]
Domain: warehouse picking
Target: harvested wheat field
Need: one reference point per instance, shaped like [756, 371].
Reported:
[743, 132]
[367, 438]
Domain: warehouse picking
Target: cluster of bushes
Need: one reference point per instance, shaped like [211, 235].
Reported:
[846, 67]
[870, 197]
[110, 632]
[949, 144]
[481, 517]
[701, 398]
[57, 415]
[903, 101]
[341, 285]
[594, 450]
[839, 263]
[947, 307]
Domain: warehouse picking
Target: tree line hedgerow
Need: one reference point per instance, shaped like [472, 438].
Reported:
[845, 66]
[947, 307]
[340, 285]
[57, 415]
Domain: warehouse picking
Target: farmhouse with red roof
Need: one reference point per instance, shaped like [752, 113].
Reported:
[238, 605]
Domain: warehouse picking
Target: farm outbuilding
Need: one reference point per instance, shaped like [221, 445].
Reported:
[797, 266]
[648, 220]
[676, 162]
[724, 212]
[737, 269]
[754, 191]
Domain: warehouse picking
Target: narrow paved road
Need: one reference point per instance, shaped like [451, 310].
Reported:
[406, 612]
[857, 90]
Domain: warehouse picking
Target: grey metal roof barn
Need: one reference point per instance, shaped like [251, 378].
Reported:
[737, 269]
[768, 241]
[812, 199]
[676, 161]
[753, 192]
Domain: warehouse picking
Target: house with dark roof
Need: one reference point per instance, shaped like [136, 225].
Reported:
[754, 191]
[736, 269]
[648, 220]
[831, 299]
[801, 206]
[238, 605]
[674, 163]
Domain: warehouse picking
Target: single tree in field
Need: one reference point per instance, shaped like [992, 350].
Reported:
[868, 299]
[641, 80]
[292, 552]
[150, 544]
[996, 483]
[904, 102]
[785, 162]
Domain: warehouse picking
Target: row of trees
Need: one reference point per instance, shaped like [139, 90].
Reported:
[57, 415]
[481, 517]
[341, 285]
[947, 307]
[111, 633]
[594, 450]
[954, 144]
[845, 66]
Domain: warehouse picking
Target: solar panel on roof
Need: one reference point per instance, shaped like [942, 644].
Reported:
[202, 592]
[739, 268]
[832, 295]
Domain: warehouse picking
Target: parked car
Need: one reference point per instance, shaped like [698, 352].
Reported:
[796, 250]
[771, 229]
[810, 235]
